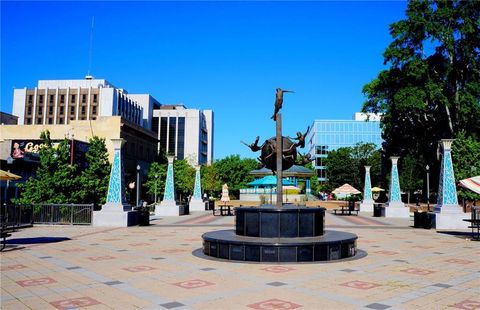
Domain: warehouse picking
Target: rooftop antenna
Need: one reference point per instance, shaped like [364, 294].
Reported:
[89, 77]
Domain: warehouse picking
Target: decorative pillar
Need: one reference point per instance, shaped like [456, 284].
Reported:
[196, 203]
[395, 206]
[367, 203]
[116, 212]
[168, 206]
[448, 213]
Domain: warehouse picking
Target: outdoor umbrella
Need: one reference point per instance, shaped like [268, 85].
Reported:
[346, 189]
[472, 184]
[8, 176]
[225, 198]
[377, 189]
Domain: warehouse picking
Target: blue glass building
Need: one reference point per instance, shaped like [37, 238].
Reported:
[325, 136]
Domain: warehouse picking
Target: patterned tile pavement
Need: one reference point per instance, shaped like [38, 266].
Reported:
[161, 267]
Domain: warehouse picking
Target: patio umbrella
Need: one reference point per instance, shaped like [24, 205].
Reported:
[472, 184]
[8, 176]
[346, 189]
[377, 189]
[225, 197]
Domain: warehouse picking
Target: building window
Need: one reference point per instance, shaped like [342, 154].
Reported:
[50, 110]
[83, 109]
[50, 120]
[181, 138]
[73, 98]
[51, 98]
[94, 109]
[60, 120]
[62, 98]
[61, 110]
[30, 99]
[40, 99]
[40, 111]
[84, 98]
[39, 120]
[95, 98]
[155, 124]
[29, 110]
[171, 135]
[29, 121]
[163, 133]
[72, 118]
[94, 118]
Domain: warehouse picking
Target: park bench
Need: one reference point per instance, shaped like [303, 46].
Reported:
[347, 210]
[474, 221]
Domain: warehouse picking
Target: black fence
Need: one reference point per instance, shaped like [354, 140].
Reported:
[52, 214]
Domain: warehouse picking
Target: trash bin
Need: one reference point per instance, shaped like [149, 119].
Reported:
[143, 217]
[211, 204]
[377, 210]
[416, 219]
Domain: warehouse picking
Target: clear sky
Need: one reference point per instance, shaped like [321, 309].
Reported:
[224, 56]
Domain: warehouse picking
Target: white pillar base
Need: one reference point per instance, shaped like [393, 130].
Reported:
[115, 215]
[450, 217]
[366, 206]
[196, 205]
[168, 208]
[397, 209]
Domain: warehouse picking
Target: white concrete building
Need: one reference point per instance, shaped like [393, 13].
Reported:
[186, 133]
[61, 101]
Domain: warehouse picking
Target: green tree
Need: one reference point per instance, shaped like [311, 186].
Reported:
[157, 174]
[235, 172]
[56, 180]
[339, 164]
[184, 178]
[211, 181]
[410, 173]
[314, 184]
[94, 179]
[466, 163]
[431, 88]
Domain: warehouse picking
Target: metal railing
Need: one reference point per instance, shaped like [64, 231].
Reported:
[62, 214]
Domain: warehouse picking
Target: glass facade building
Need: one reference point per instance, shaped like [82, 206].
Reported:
[325, 136]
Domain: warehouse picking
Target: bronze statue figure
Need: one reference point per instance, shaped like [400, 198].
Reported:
[279, 101]
[301, 138]
[304, 159]
[254, 146]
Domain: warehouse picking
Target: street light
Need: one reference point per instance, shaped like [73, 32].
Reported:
[156, 178]
[427, 167]
[138, 185]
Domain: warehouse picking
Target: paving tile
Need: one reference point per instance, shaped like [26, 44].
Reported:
[171, 305]
[377, 306]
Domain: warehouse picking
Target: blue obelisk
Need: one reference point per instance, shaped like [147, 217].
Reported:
[448, 213]
[115, 212]
[168, 206]
[367, 203]
[395, 206]
[196, 203]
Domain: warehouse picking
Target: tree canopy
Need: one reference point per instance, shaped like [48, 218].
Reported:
[431, 89]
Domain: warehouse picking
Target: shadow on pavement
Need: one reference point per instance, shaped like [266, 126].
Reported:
[35, 240]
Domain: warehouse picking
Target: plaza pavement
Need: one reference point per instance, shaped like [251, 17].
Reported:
[161, 267]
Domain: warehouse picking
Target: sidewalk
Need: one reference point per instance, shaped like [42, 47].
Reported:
[161, 267]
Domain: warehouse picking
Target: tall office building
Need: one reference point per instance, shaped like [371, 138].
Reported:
[59, 102]
[185, 133]
[325, 136]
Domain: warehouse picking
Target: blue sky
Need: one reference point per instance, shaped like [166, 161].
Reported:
[224, 56]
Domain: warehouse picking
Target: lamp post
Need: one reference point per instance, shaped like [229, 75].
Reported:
[427, 168]
[138, 185]
[156, 179]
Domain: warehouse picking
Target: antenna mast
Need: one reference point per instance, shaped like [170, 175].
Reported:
[89, 77]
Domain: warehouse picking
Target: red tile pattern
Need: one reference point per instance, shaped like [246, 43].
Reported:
[417, 271]
[468, 304]
[74, 303]
[35, 282]
[278, 269]
[361, 285]
[459, 261]
[138, 268]
[12, 267]
[196, 283]
[274, 304]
